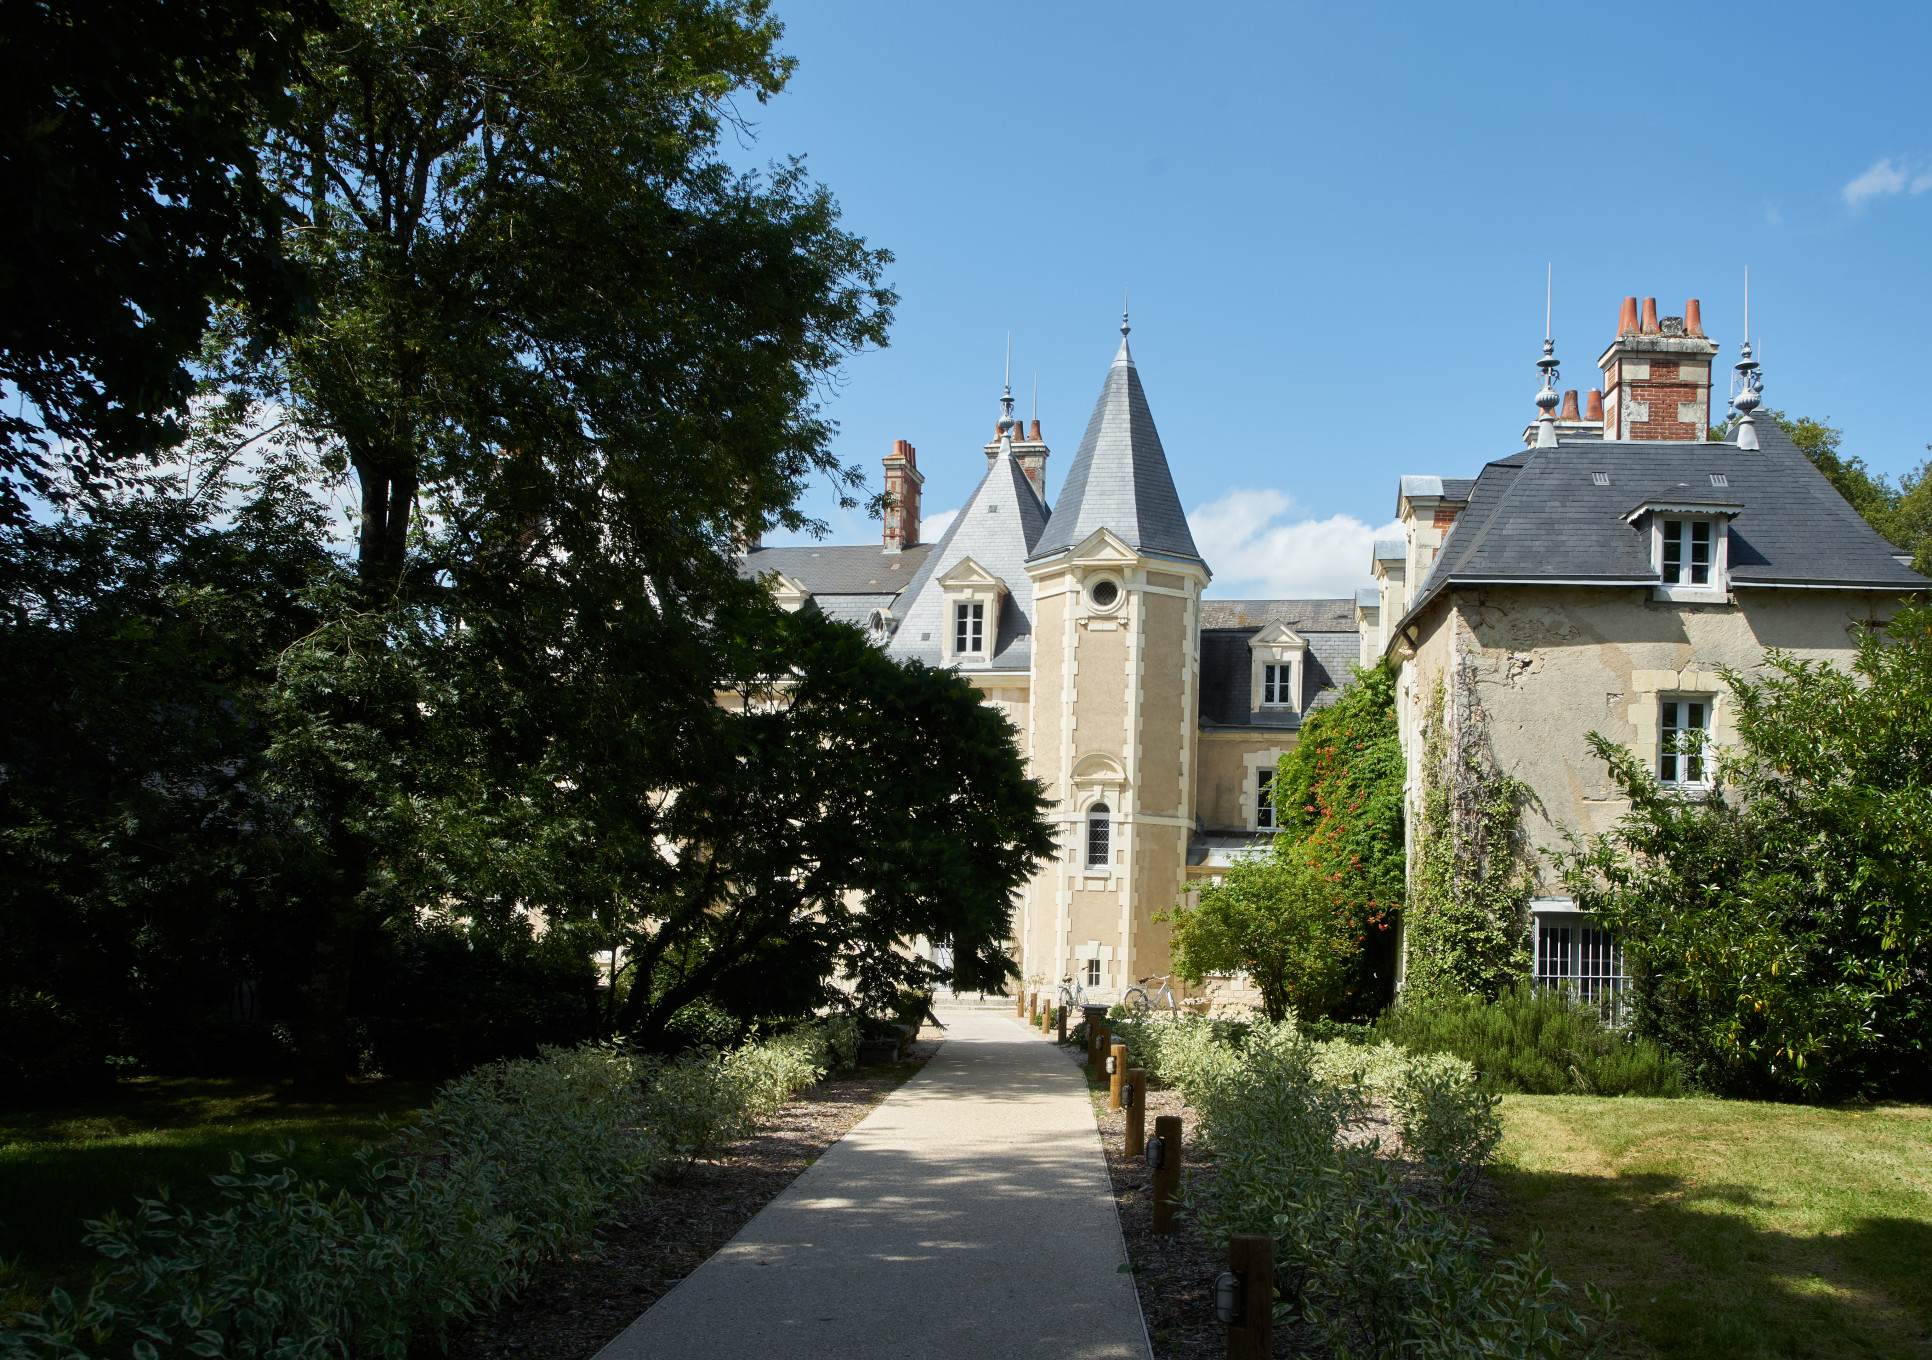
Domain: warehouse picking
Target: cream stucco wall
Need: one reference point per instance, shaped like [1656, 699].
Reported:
[1552, 664]
[1224, 794]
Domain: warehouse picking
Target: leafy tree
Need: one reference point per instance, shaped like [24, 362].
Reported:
[545, 308]
[1338, 808]
[1276, 919]
[1778, 928]
[129, 162]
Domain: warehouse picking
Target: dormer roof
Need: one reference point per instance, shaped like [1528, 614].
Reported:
[995, 531]
[1120, 479]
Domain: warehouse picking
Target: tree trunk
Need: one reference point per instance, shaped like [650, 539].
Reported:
[325, 1040]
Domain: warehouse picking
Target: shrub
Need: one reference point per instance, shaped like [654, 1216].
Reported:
[512, 1165]
[1536, 1042]
[1373, 1269]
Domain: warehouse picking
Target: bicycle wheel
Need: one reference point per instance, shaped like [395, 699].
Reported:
[1136, 999]
[1073, 998]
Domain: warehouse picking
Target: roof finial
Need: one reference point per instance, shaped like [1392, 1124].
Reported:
[1547, 399]
[1124, 327]
[1006, 397]
[1748, 383]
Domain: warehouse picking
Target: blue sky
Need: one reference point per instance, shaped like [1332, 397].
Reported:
[1334, 221]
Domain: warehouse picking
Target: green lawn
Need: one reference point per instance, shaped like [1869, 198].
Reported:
[1731, 1228]
[61, 1164]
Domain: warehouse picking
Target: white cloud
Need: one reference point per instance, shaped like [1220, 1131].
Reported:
[933, 527]
[1886, 178]
[1261, 545]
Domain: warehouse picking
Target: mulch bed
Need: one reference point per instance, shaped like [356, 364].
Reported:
[576, 1307]
[1174, 1272]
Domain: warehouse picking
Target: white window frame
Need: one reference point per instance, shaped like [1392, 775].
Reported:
[1717, 586]
[1264, 799]
[1575, 954]
[1674, 766]
[1093, 972]
[1278, 684]
[969, 627]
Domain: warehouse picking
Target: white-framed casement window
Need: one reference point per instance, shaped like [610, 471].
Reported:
[1277, 684]
[969, 628]
[1690, 552]
[1093, 972]
[1264, 800]
[1100, 837]
[1683, 730]
[1574, 954]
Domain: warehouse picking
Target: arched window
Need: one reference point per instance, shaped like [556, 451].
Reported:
[1100, 851]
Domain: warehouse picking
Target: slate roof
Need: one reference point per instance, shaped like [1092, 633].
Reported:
[828, 569]
[1304, 616]
[1119, 479]
[1539, 515]
[1226, 674]
[998, 526]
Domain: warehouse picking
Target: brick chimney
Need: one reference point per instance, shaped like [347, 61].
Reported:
[1657, 375]
[1029, 451]
[902, 482]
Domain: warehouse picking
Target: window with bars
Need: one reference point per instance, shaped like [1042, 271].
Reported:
[1576, 956]
[1687, 552]
[1264, 800]
[1277, 685]
[969, 629]
[1684, 726]
[1100, 849]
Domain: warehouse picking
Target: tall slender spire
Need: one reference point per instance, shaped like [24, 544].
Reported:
[1749, 383]
[1547, 399]
[1006, 397]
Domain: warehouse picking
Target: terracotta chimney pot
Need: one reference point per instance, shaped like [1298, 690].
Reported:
[1569, 407]
[1593, 406]
[1650, 316]
[1693, 318]
[1627, 322]
[1034, 436]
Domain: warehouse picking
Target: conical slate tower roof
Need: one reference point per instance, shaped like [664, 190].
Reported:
[1119, 478]
[997, 528]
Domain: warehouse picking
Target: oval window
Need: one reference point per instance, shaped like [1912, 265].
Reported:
[1103, 594]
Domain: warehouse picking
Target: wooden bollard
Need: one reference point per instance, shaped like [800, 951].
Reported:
[1032, 1008]
[1250, 1313]
[1046, 1017]
[1103, 1040]
[1167, 1173]
[1019, 1002]
[1133, 1099]
[1061, 1016]
[1116, 1073]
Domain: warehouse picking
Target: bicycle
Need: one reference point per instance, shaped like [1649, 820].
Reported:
[1072, 996]
[1137, 997]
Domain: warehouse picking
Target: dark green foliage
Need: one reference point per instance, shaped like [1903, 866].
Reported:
[1778, 928]
[1338, 806]
[130, 167]
[1275, 918]
[1535, 1042]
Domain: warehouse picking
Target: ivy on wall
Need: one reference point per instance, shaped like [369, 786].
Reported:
[1467, 920]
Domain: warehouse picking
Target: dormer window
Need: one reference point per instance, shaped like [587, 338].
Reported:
[1276, 657]
[969, 629]
[1689, 547]
[1687, 552]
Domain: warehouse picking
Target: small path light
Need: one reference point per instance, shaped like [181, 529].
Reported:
[1133, 1099]
[1164, 1155]
[1244, 1296]
[1062, 1017]
[1033, 1007]
[1116, 1073]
